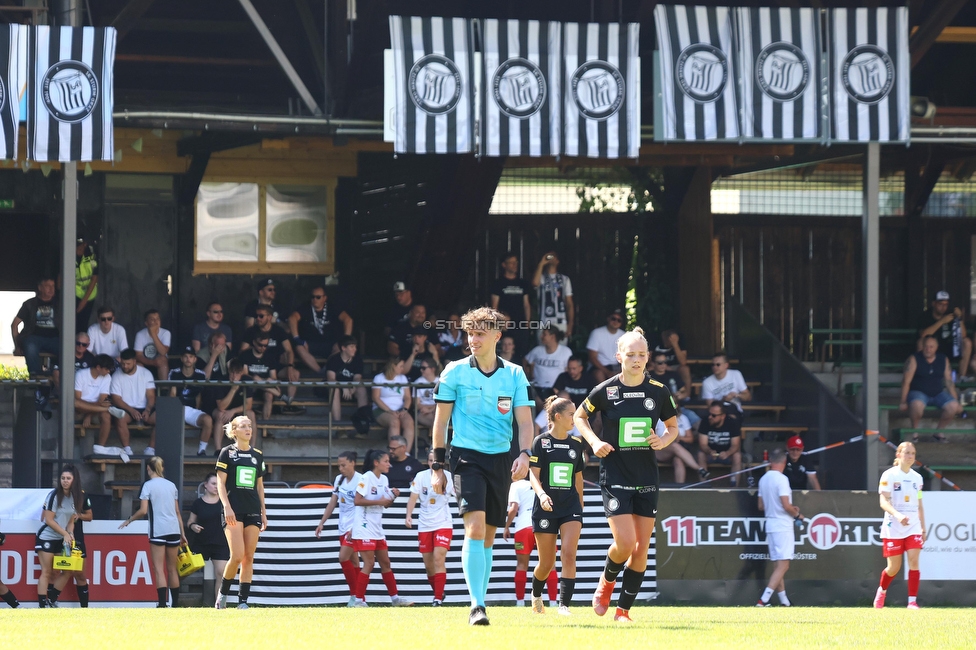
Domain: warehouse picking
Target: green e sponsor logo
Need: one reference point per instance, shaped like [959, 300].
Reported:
[246, 477]
[634, 432]
[561, 475]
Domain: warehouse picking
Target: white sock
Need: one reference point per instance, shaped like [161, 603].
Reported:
[767, 594]
[202, 447]
[783, 600]
[911, 599]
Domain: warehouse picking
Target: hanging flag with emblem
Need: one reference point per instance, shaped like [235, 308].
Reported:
[521, 102]
[434, 79]
[11, 39]
[698, 76]
[601, 105]
[780, 63]
[70, 98]
[869, 78]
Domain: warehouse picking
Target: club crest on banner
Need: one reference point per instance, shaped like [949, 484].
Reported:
[435, 84]
[519, 88]
[782, 71]
[702, 71]
[868, 74]
[598, 89]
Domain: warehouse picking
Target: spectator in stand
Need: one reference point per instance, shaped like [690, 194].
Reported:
[279, 344]
[232, 401]
[802, 472]
[421, 351]
[192, 397]
[555, 295]
[92, 389]
[573, 384]
[678, 454]
[927, 381]
[602, 347]
[107, 336]
[677, 358]
[212, 325]
[510, 295]
[402, 304]
[451, 339]
[316, 328]
[86, 283]
[671, 379]
[544, 363]
[160, 499]
[134, 392]
[426, 405]
[266, 297]
[400, 340]
[391, 404]
[724, 384]
[507, 350]
[152, 345]
[42, 323]
[949, 331]
[206, 515]
[347, 365]
[720, 440]
[83, 358]
[403, 466]
[212, 360]
[261, 364]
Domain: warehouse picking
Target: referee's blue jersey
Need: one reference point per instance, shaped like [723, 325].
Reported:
[484, 404]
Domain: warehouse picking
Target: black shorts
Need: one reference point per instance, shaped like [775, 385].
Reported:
[548, 524]
[213, 551]
[49, 545]
[166, 540]
[481, 482]
[630, 501]
[247, 520]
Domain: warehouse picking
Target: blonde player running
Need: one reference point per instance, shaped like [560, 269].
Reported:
[435, 528]
[903, 528]
[344, 495]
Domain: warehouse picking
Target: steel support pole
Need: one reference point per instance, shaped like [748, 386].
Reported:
[871, 240]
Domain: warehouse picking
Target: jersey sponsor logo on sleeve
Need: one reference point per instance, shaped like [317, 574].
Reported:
[613, 392]
[633, 432]
[649, 404]
[221, 465]
[884, 483]
[561, 475]
[504, 405]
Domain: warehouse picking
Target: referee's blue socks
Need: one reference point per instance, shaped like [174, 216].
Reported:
[473, 563]
[484, 586]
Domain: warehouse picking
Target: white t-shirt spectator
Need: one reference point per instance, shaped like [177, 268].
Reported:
[132, 388]
[368, 523]
[425, 396]
[522, 493]
[714, 388]
[392, 397]
[435, 511]
[683, 425]
[604, 344]
[547, 367]
[111, 344]
[91, 387]
[772, 486]
[145, 344]
[162, 495]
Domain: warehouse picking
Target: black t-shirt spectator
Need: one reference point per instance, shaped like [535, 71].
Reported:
[578, 389]
[188, 394]
[720, 436]
[209, 402]
[238, 400]
[402, 335]
[398, 314]
[276, 336]
[209, 517]
[671, 379]
[402, 472]
[251, 310]
[259, 367]
[949, 335]
[87, 360]
[345, 371]
[510, 296]
[797, 472]
[320, 329]
[40, 318]
[670, 357]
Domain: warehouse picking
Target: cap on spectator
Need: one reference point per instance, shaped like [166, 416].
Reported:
[420, 329]
[268, 283]
[796, 442]
[399, 286]
[81, 240]
[942, 295]
[189, 350]
[616, 312]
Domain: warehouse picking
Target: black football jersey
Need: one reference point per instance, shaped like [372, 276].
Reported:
[243, 469]
[797, 472]
[558, 461]
[630, 414]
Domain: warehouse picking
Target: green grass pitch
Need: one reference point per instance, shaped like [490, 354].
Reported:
[379, 628]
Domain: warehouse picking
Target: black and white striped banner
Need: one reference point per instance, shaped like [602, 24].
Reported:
[698, 76]
[434, 62]
[780, 58]
[521, 101]
[292, 567]
[601, 109]
[11, 39]
[70, 96]
[870, 74]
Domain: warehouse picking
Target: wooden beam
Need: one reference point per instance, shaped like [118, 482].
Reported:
[939, 17]
[953, 34]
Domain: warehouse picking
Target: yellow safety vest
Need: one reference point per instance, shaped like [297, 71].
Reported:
[84, 271]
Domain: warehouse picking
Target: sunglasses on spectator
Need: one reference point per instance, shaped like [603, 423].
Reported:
[260, 345]
[714, 415]
[616, 319]
[318, 296]
[422, 367]
[81, 343]
[217, 311]
[716, 363]
[661, 363]
[395, 448]
[271, 289]
[107, 318]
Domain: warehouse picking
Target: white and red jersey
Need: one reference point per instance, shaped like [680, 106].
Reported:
[905, 489]
[522, 493]
[435, 510]
[345, 491]
[368, 522]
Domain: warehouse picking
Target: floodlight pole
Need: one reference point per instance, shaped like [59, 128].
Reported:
[871, 240]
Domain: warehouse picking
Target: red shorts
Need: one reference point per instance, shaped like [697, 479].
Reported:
[440, 538]
[524, 541]
[346, 540]
[894, 547]
[369, 544]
